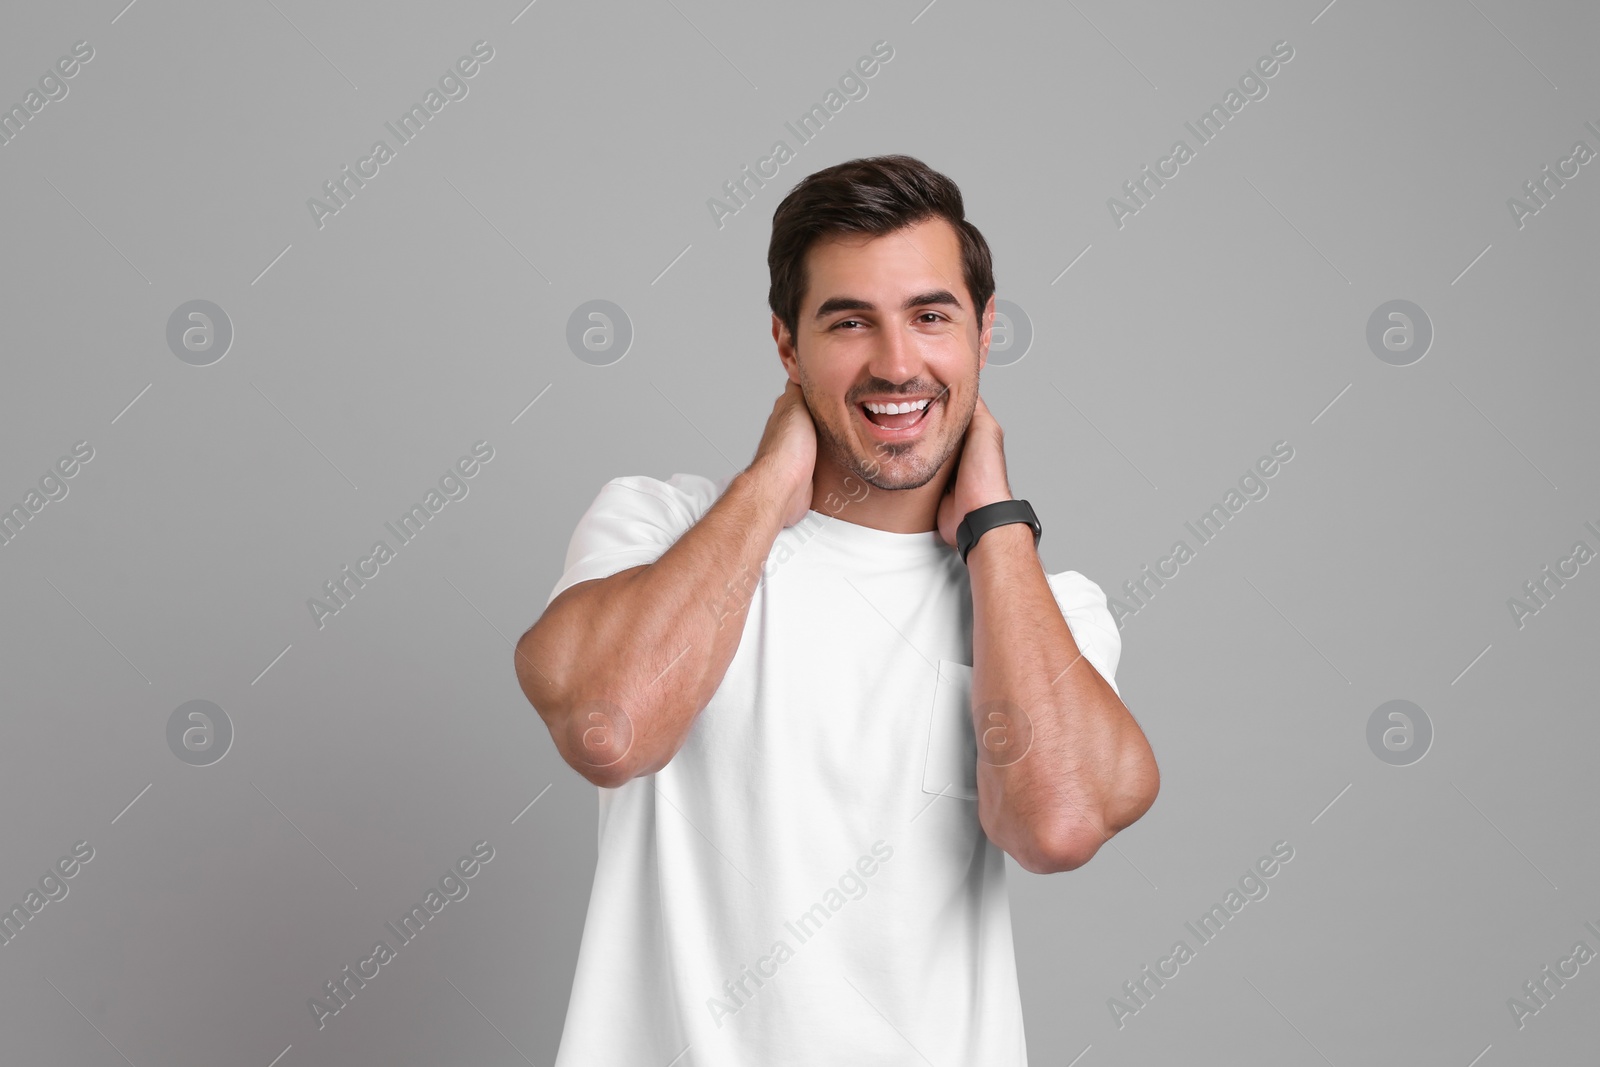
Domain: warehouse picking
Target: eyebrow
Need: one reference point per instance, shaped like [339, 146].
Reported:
[851, 303]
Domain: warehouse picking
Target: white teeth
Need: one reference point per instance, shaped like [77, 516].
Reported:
[893, 409]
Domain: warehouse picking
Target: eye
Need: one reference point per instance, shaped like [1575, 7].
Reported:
[935, 314]
[845, 322]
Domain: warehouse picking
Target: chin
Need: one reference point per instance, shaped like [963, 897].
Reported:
[895, 470]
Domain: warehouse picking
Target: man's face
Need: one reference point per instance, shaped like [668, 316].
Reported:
[889, 319]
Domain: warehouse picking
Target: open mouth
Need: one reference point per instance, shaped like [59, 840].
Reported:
[901, 420]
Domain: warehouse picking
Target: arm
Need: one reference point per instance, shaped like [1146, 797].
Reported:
[1087, 770]
[1061, 764]
[619, 667]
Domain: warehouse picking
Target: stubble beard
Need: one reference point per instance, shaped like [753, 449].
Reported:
[891, 466]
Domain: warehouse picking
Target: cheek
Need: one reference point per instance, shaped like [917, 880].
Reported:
[959, 421]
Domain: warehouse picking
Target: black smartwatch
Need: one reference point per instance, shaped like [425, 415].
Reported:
[981, 520]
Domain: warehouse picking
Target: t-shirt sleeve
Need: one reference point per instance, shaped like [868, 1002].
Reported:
[1089, 619]
[632, 521]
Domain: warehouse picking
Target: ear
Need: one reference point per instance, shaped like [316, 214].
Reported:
[986, 332]
[786, 352]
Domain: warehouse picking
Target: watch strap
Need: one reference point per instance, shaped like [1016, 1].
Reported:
[979, 521]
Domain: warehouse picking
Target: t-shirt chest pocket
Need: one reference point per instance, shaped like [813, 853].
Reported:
[950, 765]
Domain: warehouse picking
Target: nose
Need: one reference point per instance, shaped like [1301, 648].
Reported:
[896, 357]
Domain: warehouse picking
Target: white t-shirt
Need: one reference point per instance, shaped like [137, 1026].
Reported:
[806, 881]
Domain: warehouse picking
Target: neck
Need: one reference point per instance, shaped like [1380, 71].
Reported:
[844, 495]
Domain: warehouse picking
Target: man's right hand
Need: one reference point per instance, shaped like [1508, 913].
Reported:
[786, 459]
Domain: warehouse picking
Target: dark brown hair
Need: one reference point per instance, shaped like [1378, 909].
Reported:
[876, 195]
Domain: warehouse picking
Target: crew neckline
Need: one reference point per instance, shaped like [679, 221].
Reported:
[858, 539]
[867, 539]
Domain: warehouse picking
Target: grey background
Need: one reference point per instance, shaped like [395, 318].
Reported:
[368, 355]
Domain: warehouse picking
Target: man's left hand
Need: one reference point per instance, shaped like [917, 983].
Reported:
[980, 473]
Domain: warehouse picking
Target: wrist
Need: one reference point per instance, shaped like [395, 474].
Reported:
[1013, 535]
[985, 521]
[765, 489]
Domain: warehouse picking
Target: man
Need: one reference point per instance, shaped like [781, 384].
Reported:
[815, 721]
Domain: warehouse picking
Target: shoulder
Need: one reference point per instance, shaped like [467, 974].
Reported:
[632, 520]
[687, 494]
[677, 503]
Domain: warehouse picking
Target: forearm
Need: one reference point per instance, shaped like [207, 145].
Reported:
[1064, 765]
[623, 670]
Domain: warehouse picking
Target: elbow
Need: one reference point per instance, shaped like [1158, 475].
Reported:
[610, 776]
[1068, 842]
[1055, 841]
[595, 737]
[598, 745]
[1050, 846]
[536, 684]
[1143, 784]
[1059, 852]
[1072, 843]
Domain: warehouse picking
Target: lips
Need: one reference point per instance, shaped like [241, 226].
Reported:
[891, 433]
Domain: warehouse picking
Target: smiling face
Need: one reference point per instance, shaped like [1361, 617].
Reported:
[887, 319]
